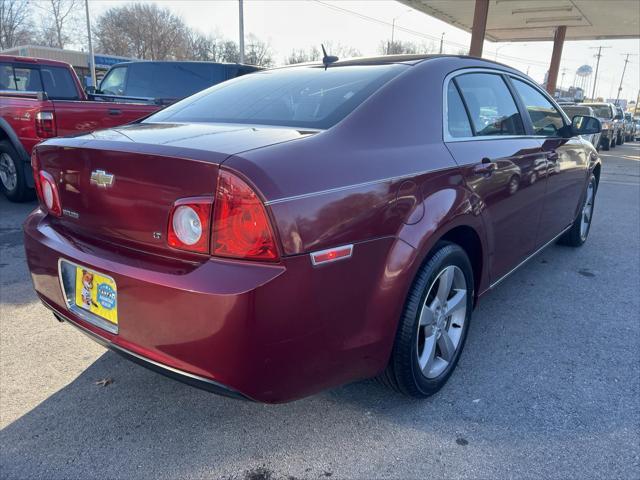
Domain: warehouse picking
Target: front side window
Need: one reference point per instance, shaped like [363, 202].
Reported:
[491, 106]
[546, 119]
[299, 97]
[113, 83]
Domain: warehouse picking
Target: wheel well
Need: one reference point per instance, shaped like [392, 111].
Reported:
[467, 238]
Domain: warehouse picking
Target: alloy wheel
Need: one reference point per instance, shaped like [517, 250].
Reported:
[8, 173]
[441, 322]
[587, 210]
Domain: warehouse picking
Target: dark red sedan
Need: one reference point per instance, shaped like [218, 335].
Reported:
[303, 227]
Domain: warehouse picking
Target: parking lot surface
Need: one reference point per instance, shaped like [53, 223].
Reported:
[547, 387]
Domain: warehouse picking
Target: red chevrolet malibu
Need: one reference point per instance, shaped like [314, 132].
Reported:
[304, 227]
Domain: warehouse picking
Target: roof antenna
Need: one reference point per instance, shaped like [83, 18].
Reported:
[327, 59]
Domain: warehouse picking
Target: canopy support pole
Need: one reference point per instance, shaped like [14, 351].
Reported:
[479, 27]
[554, 67]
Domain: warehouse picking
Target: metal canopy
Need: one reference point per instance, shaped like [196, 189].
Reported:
[537, 20]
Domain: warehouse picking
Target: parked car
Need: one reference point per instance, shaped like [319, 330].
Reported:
[577, 109]
[606, 113]
[303, 227]
[167, 81]
[636, 122]
[629, 128]
[619, 119]
[41, 99]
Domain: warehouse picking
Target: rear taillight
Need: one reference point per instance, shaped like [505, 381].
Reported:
[241, 227]
[190, 224]
[49, 195]
[45, 124]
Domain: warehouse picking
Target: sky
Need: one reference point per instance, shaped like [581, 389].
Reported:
[364, 24]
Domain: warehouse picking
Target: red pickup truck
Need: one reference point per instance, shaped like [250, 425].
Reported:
[41, 99]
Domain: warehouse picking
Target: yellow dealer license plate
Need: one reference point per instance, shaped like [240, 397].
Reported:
[97, 294]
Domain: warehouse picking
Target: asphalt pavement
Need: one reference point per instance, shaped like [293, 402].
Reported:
[547, 387]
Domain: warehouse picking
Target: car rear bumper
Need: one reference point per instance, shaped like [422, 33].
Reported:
[182, 376]
[266, 332]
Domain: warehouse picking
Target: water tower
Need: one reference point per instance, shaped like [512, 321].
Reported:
[582, 79]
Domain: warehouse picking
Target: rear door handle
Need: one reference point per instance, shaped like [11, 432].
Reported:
[115, 111]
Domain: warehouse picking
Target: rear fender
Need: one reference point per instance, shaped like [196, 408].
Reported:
[445, 210]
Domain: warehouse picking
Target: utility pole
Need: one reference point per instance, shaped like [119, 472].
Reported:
[241, 23]
[635, 109]
[624, 69]
[92, 61]
[441, 42]
[595, 77]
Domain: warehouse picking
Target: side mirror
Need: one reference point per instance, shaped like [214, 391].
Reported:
[618, 117]
[585, 125]
[90, 90]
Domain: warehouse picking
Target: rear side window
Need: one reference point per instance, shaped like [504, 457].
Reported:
[300, 97]
[58, 83]
[457, 118]
[546, 119]
[491, 106]
[27, 79]
[172, 80]
[7, 82]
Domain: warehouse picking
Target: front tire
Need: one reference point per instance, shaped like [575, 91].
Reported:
[606, 145]
[579, 231]
[434, 325]
[12, 177]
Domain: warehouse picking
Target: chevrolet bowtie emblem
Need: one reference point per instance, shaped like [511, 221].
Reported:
[102, 178]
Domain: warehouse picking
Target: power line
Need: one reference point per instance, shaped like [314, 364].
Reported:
[416, 33]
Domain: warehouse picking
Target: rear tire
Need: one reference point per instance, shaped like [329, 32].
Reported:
[613, 143]
[579, 231]
[12, 175]
[433, 327]
[605, 145]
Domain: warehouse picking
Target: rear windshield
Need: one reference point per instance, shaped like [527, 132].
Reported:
[300, 97]
[571, 111]
[602, 111]
[171, 80]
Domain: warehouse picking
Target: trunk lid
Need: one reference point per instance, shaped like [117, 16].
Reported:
[119, 185]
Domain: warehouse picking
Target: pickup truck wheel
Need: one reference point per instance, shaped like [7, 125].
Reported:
[434, 325]
[12, 181]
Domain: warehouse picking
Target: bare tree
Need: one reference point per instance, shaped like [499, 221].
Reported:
[340, 50]
[58, 19]
[399, 47]
[143, 30]
[302, 55]
[15, 23]
[257, 52]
